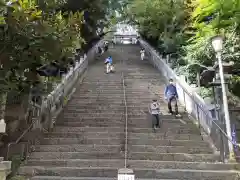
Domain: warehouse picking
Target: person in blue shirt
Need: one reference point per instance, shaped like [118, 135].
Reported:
[108, 60]
[171, 96]
[108, 63]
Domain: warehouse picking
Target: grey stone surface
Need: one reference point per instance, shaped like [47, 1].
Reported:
[143, 173]
[81, 178]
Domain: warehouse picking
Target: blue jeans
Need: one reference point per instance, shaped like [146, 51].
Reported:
[155, 120]
[174, 100]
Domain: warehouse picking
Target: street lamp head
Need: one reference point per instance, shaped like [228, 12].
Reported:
[217, 43]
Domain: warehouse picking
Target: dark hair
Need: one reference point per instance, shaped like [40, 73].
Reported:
[170, 80]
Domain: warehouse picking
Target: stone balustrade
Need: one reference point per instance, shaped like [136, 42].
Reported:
[44, 116]
[195, 106]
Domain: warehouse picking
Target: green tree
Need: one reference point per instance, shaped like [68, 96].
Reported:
[30, 37]
[185, 27]
[163, 21]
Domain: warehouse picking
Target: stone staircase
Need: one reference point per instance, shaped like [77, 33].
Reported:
[88, 140]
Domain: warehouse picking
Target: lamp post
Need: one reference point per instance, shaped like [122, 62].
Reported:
[217, 43]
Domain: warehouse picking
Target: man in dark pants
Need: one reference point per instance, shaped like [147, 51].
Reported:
[171, 96]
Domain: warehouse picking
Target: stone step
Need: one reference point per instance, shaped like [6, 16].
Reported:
[139, 173]
[92, 123]
[139, 124]
[118, 97]
[82, 178]
[106, 91]
[132, 164]
[168, 149]
[117, 148]
[88, 129]
[109, 100]
[79, 117]
[95, 79]
[146, 123]
[176, 130]
[96, 102]
[120, 110]
[173, 157]
[121, 140]
[131, 155]
[104, 108]
[120, 94]
[101, 82]
[83, 102]
[78, 148]
[104, 135]
[98, 106]
[138, 114]
[76, 155]
[102, 101]
[142, 77]
[101, 95]
[84, 140]
[91, 87]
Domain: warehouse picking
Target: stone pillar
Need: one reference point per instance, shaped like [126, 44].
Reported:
[2, 126]
[5, 169]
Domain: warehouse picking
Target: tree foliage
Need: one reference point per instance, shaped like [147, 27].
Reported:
[38, 36]
[38, 32]
[30, 37]
[185, 27]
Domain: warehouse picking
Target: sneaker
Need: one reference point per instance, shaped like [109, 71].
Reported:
[178, 115]
[154, 129]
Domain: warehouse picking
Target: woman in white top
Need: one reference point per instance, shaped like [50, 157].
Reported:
[142, 52]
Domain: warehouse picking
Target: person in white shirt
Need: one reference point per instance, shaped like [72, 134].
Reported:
[142, 52]
[154, 110]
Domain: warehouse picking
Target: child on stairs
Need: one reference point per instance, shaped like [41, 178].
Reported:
[154, 110]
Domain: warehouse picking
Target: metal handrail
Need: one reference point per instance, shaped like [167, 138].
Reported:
[20, 137]
[126, 118]
[191, 95]
[207, 114]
